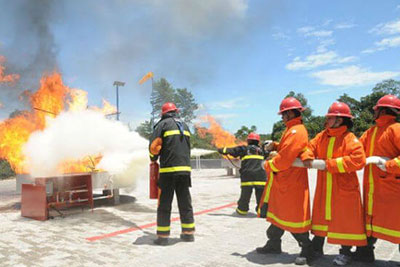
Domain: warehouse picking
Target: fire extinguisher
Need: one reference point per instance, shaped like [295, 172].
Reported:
[154, 171]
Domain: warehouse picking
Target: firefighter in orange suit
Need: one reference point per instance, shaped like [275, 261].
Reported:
[287, 192]
[171, 143]
[382, 180]
[337, 209]
[252, 174]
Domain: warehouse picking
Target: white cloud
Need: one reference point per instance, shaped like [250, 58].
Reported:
[319, 33]
[398, 7]
[309, 31]
[389, 28]
[389, 42]
[383, 45]
[322, 47]
[352, 76]
[305, 29]
[280, 36]
[317, 60]
[345, 25]
[225, 116]
[228, 104]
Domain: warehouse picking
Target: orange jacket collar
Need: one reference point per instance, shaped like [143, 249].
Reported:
[292, 122]
[385, 120]
[337, 131]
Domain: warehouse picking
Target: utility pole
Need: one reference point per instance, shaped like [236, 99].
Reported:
[152, 105]
[117, 84]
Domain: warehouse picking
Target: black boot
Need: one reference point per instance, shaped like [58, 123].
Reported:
[318, 246]
[306, 256]
[364, 254]
[271, 247]
[187, 237]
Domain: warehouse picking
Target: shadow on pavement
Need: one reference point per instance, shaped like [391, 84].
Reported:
[234, 214]
[148, 238]
[254, 257]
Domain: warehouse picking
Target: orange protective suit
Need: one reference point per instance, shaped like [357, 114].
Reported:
[337, 209]
[382, 189]
[287, 192]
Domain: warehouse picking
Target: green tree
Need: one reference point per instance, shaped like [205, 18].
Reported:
[5, 169]
[244, 131]
[164, 92]
[391, 87]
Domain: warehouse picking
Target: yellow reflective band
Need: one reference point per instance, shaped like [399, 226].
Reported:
[176, 169]
[252, 183]
[151, 155]
[289, 224]
[272, 166]
[271, 179]
[187, 225]
[175, 132]
[241, 212]
[397, 161]
[368, 227]
[371, 175]
[386, 231]
[347, 236]
[304, 149]
[253, 157]
[224, 150]
[339, 162]
[328, 200]
[163, 228]
[318, 227]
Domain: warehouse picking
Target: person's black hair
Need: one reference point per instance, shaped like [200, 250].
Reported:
[297, 113]
[252, 142]
[388, 111]
[348, 122]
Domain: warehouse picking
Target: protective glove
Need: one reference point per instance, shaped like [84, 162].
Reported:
[268, 145]
[382, 164]
[272, 155]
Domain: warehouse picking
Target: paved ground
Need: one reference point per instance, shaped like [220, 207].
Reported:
[122, 235]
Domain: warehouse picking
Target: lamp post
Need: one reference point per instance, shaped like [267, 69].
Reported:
[117, 84]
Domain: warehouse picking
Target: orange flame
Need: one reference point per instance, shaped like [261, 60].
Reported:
[50, 99]
[10, 78]
[221, 138]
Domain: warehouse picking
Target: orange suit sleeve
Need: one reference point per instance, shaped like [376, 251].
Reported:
[352, 160]
[291, 146]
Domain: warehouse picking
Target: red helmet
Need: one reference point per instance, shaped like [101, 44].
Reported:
[339, 109]
[389, 101]
[253, 136]
[290, 103]
[167, 107]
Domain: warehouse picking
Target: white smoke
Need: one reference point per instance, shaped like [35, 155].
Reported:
[76, 135]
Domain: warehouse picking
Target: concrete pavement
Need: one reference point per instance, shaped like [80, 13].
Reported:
[123, 235]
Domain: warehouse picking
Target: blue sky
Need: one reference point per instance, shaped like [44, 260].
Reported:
[238, 57]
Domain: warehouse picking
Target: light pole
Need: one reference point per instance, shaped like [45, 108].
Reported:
[117, 84]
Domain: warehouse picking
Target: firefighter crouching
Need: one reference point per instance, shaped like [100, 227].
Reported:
[171, 143]
[382, 179]
[252, 174]
[337, 209]
[287, 192]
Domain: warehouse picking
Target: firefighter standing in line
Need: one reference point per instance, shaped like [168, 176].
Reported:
[171, 143]
[337, 209]
[252, 174]
[382, 180]
[287, 192]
